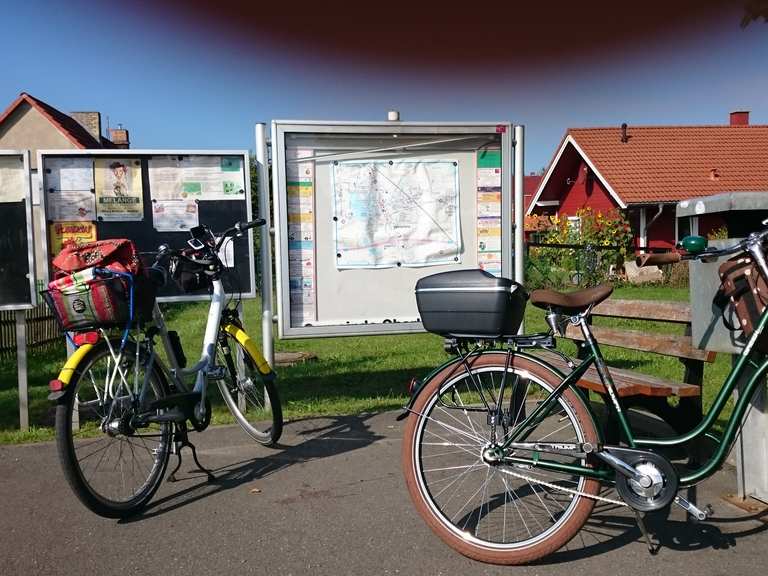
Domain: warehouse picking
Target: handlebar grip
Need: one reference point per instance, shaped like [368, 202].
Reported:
[657, 259]
[243, 226]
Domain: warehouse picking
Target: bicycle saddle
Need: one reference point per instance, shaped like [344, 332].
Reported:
[571, 302]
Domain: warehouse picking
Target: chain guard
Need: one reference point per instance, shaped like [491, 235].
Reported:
[653, 461]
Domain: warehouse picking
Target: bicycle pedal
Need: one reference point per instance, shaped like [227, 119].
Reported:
[696, 513]
[217, 373]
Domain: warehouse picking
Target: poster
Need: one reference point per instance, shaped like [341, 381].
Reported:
[118, 189]
[71, 205]
[396, 213]
[68, 174]
[12, 181]
[60, 233]
[301, 235]
[174, 215]
[197, 177]
[489, 210]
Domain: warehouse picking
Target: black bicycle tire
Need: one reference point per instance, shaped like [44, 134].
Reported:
[68, 458]
[267, 439]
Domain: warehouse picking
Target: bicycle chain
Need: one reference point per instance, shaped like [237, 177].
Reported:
[530, 479]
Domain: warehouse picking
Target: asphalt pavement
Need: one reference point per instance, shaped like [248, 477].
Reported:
[330, 500]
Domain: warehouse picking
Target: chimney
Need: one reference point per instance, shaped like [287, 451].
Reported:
[740, 118]
[624, 136]
[119, 137]
[91, 121]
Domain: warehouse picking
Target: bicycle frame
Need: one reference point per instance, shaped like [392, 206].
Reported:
[742, 367]
[208, 353]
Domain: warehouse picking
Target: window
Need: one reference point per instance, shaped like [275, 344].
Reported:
[688, 226]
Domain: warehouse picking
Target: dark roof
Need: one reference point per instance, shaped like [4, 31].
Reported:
[67, 125]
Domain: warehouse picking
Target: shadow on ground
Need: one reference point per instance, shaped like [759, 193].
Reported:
[315, 438]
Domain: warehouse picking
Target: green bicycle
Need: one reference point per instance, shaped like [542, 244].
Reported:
[501, 453]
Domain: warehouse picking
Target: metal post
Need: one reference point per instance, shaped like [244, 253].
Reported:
[262, 168]
[519, 209]
[21, 361]
[519, 204]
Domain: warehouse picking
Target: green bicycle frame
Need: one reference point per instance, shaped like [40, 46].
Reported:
[746, 365]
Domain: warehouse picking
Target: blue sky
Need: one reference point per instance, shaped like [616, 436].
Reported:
[179, 86]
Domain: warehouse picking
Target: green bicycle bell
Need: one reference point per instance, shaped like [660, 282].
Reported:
[694, 244]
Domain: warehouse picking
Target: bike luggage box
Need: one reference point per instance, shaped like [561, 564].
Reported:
[470, 304]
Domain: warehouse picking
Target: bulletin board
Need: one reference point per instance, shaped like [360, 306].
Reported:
[17, 254]
[363, 211]
[152, 197]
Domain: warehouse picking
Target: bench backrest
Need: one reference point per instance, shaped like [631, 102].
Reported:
[679, 346]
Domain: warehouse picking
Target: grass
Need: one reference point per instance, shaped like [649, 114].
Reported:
[351, 375]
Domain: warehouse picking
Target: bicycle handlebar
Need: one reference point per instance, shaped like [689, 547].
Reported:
[672, 257]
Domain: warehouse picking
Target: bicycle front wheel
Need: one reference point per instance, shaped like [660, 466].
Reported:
[252, 399]
[113, 460]
[494, 509]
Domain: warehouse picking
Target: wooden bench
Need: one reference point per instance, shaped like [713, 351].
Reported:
[642, 390]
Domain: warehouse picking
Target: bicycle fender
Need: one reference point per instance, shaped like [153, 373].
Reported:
[261, 363]
[59, 385]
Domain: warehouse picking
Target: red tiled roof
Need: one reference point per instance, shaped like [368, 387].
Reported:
[671, 163]
[67, 125]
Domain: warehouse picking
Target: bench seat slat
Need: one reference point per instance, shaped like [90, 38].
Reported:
[628, 383]
[660, 310]
[675, 345]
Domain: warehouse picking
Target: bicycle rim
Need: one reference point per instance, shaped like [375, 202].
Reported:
[253, 401]
[113, 465]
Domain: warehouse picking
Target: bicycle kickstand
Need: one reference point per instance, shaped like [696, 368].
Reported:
[180, 440]
[652, 548]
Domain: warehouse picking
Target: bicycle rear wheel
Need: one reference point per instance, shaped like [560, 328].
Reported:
[252, 399]
[495, 511]
[112, 463]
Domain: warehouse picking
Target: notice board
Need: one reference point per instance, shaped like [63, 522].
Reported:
[152, 197]
[17, 254]
[363, 211]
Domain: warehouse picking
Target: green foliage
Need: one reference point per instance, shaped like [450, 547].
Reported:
[718, 233]
[603, 241]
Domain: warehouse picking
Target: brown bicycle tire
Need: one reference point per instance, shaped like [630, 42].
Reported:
[521, 555]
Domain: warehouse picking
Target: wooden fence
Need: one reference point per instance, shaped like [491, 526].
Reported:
[42, 330]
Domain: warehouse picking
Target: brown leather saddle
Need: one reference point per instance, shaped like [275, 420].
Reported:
[571, 302]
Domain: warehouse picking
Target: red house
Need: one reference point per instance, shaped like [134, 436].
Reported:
[646, 170]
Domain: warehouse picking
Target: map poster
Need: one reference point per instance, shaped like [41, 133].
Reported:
[174, 215]
[68, 174]
[396, 213]
[71, 205]
[118, 189]
[61, 233]
[197, 177]
[12, 179]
